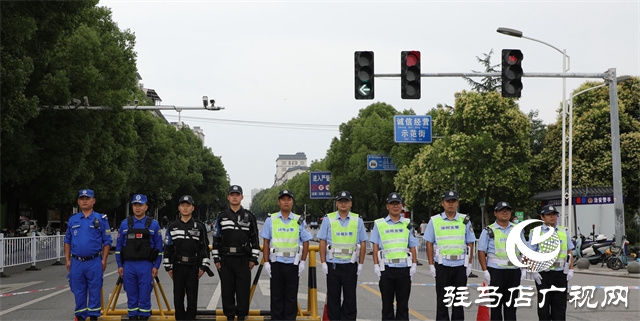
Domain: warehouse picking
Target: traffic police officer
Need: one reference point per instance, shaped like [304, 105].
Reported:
[286, 243]
[395, 258]
[138, 250]
[342, 251]
[496, 267]
[559, 273]
[450, 241]
[86, 248]
[235, 247]
[186, 258]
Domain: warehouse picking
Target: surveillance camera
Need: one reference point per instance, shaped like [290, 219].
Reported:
[212, 101]
[128, 102]
[205, 101]
[135, 102]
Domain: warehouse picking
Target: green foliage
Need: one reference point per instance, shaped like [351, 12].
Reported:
[53, 52]
[484, 152]
[487, 84]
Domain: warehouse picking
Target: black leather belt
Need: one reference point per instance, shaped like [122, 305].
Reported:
[85, 258]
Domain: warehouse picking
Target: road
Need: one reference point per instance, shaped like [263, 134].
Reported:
[44, 294]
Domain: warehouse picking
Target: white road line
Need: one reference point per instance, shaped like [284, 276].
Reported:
[26, 304]
[214, 299]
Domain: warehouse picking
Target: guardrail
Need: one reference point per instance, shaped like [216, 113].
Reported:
[16, 251]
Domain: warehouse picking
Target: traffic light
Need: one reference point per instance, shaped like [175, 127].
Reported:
[363, 61]
[511, 72]
[410, 75]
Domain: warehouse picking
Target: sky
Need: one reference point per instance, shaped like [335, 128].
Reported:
[284, 70]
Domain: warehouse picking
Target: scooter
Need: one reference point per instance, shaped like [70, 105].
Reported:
[594, 252]
[618, 256]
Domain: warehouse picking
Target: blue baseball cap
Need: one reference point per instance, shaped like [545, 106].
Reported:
[139, 199]
[86, 193]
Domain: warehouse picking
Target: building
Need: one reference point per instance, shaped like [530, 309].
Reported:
[288, 166]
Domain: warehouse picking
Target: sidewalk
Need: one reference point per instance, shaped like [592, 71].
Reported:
[604, 270]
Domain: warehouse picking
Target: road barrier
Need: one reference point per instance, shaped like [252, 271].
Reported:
[16, 251]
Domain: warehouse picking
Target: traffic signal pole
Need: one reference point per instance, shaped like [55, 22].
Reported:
[610, 77]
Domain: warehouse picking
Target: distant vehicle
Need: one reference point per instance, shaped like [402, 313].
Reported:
[27, 227]
[53, 227]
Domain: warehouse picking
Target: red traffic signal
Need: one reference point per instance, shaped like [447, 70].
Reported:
[512, 73]
[410, 74]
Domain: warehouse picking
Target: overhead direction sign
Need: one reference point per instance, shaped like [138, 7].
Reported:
[380, 163]
[412, 129]
[319, 185]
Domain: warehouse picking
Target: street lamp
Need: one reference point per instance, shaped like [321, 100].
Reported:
[565, 67]
[606, 83]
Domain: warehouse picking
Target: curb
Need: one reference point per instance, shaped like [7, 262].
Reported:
[617, 274]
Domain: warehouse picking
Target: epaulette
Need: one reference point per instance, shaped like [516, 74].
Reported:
[466, 220]
[104, 216]
[489, 231]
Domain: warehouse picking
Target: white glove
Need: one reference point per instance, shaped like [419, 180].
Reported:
[569, 275]
[537, 277]
[325, 268]
[360, 269]
[301, 267]
[412, 270]
[267, 267]
[432, 269]
[468, 270]
[487, 276]
[523, 274]
[376, 270]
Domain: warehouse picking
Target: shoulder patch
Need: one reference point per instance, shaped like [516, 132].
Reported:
[104, 216]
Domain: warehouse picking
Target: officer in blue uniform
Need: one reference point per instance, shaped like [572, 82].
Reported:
[138, 250]
[86, 248]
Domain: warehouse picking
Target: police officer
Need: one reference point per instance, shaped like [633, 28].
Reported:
[235, 253]
[496, 267]
[138, 250]
[186, 258]
[450, 252]
[559, 273]
[286, 243]
[342, 252]
[86, 248]
[394, 258]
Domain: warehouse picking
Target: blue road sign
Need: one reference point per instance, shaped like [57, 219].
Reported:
[319, 185]
[412, 129]
[380, 163]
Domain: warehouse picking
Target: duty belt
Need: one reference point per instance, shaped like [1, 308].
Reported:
[286, 254]
[453, 257]
[233, 250]
[85, 258]
[186, 260]
[395, 261]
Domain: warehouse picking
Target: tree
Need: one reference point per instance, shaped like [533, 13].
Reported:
[484, 152]
[487, 84]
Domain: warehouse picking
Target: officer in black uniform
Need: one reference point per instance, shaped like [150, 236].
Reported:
[186, 258]
[235, 252]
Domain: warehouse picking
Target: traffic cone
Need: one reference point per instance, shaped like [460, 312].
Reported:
[483, 310]
[325, 313]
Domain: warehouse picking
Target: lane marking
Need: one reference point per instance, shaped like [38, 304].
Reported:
[411, 311]
[214, 298]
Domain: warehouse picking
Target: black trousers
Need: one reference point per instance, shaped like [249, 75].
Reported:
[185, 279]
[449, 276]
[284, 291]
[505, 279]
[342, 280]
[555, 303]
[235, 281]
[395, 284]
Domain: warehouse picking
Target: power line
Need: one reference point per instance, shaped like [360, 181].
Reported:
[264, 124]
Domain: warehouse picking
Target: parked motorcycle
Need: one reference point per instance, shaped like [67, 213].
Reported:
[618, 258]
[595, 252]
